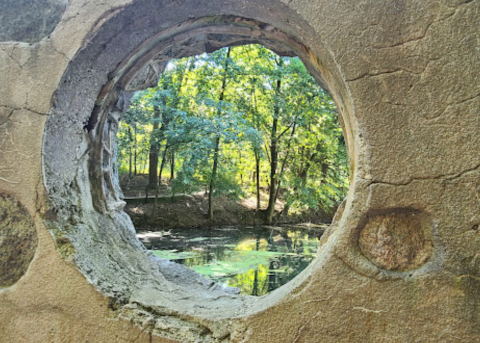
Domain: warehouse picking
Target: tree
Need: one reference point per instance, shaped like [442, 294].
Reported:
[238, 112]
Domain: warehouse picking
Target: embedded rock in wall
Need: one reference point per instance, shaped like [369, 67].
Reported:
[397, 240]
[18, 241]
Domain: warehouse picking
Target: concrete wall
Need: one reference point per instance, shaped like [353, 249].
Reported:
[401, 262]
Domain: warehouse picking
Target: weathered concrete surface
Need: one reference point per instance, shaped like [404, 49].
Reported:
[405, 76]
[29, 20]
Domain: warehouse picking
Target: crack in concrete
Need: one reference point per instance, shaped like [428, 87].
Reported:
[138, 336]
[13, 109]
[8, 181]
[5, 120]
[366, 310]
[422, 36]
[59, 52]
[427, 28]
[452, 104]
[439, 177]
[8, 171]
[10, 53]
[317, 300]
[13, 58]
[301, 328]
[366, 75]
[360, 35]
[8, 136]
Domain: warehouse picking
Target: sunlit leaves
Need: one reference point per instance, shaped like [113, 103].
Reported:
[313, 164]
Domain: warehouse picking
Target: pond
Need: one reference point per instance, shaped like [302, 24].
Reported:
[256, 260]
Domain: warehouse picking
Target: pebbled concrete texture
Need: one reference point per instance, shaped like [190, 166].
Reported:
[406, 78]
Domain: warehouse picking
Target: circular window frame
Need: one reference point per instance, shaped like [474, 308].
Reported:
[86, 217]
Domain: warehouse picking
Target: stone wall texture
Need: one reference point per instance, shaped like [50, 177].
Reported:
[400, 263]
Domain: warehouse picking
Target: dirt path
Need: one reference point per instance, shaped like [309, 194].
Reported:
[190, 211]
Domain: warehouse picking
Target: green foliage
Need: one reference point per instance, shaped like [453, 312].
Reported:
[210, 99]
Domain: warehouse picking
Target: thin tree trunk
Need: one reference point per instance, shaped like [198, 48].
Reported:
[130, 163]
[152, 170]
[153, 155]
[217, 142]
[164, 155]
[130, 153]
[240, 163]
[143, 164]
[172, 167]
[135, 162]
[324, 172]
[284, 162]
[273, 173]
[214, 175]
[135, 152]
[256, 120]
[273, 163]
[303, 174]
[257, 176]
[172, 173]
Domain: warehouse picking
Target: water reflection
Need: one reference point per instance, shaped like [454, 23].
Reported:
[256, 260]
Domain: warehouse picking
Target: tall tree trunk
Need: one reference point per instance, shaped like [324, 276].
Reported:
[154, 148]
[172, 172]
[273, 162]
[240, 163]
[287, 155]
[256, 121]
[172, 166]
[135, 152]
[257, 176]
[164, 155]
[324, 172]
[130, 153]
[152, 170]
[273, 173]
[217, 141]
[130, 163]
[143, 163]
[167, 119]
[212, 180]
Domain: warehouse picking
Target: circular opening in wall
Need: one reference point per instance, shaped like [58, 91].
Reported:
[195, 164]
[85, 213]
